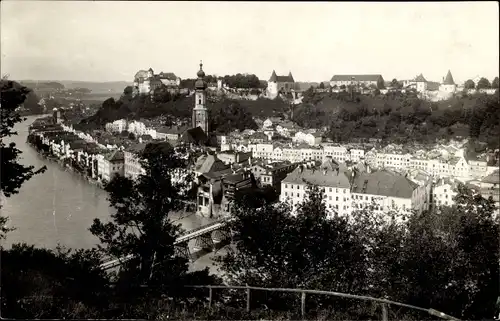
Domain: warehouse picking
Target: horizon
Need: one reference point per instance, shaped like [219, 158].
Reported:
[243, 37]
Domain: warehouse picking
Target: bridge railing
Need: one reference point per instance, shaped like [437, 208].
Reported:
[303, 292]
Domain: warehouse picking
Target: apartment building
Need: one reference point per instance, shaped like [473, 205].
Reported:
[271, 174]
[132, 166]
[330, 177]
[110, 164]
[386, 191]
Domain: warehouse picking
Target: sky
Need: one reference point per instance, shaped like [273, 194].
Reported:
[111, 41]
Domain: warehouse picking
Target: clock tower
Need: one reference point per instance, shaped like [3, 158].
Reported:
[200, 112]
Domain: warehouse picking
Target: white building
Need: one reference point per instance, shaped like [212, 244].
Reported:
[443, 192]
[117, 126]
[333, 181]
[312, 139]
[387, 191]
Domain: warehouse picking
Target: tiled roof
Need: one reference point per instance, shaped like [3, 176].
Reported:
[357, 77]
[493, 178]
[383, 183]
[420, 78]
[115, 156]
[333, 178]
[449, 79]
[275, 78]
[167, 75]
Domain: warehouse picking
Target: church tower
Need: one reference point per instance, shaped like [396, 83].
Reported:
[200, 112]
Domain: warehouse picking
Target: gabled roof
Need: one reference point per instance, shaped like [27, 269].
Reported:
[449, 79]
[356, 77]
[383, 183]
[420, 78]
[275, 78]
[209, 163]
[115, 156]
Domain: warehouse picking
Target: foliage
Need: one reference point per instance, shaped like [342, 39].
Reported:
[276, 249]
[228, 115]
[29, 274]
[13, 173]
[242, 81]
[483, 83]
[469, 84]
[398, 116]
[417, 259]
[141, 225]
[494, 83]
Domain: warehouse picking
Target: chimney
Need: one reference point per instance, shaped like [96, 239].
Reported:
[250, 160]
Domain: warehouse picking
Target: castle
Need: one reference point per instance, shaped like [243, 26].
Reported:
[146, 82]
[277, 84]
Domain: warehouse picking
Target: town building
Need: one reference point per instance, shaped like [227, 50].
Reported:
[367, 80]
[271, 174]
[171, 133]
[385, 191]
[330, 177]
[110, 164]
[280, 84]
[448, 84]
[490, 187]
[444, 191]
[132, 166]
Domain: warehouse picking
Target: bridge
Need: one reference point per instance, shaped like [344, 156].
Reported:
[207, 236]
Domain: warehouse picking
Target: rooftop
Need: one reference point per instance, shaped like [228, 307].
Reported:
[383, 183]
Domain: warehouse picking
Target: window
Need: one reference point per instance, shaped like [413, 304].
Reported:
[298, 194]
[330, 198]
[199, 101]
[337, 198]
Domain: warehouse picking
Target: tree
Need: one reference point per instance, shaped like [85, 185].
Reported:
[141, 226]
[308, 250]
[41, 283]
[395, 83]
[483, 83]
[469, 84]
[13, 174]
[321, 85]
[494, 83]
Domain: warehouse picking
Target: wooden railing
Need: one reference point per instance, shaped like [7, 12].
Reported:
[383, 302]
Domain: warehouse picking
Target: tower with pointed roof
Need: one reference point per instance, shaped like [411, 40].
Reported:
[277, 84]
[200, 111]
[448, 84]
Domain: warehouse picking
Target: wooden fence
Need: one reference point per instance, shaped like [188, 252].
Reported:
[384, 303]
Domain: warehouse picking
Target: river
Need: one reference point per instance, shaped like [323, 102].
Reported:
[58, 206]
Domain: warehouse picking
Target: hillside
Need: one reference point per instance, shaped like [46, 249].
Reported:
[98, 87]
[401, 117]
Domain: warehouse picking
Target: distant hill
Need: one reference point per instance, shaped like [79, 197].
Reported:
[98, 87]
[95, 87]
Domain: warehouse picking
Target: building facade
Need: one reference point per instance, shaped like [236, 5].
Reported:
[349, 80]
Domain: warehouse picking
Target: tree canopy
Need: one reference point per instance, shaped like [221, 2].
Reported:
[483, 83]
[141, 225]
[418, 259]
[469, 84]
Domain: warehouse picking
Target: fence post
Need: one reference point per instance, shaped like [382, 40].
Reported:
[384, 312]
[303, 305]
[248, 300]
[209, 298]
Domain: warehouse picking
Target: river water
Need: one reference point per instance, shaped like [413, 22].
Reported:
[58, 206]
